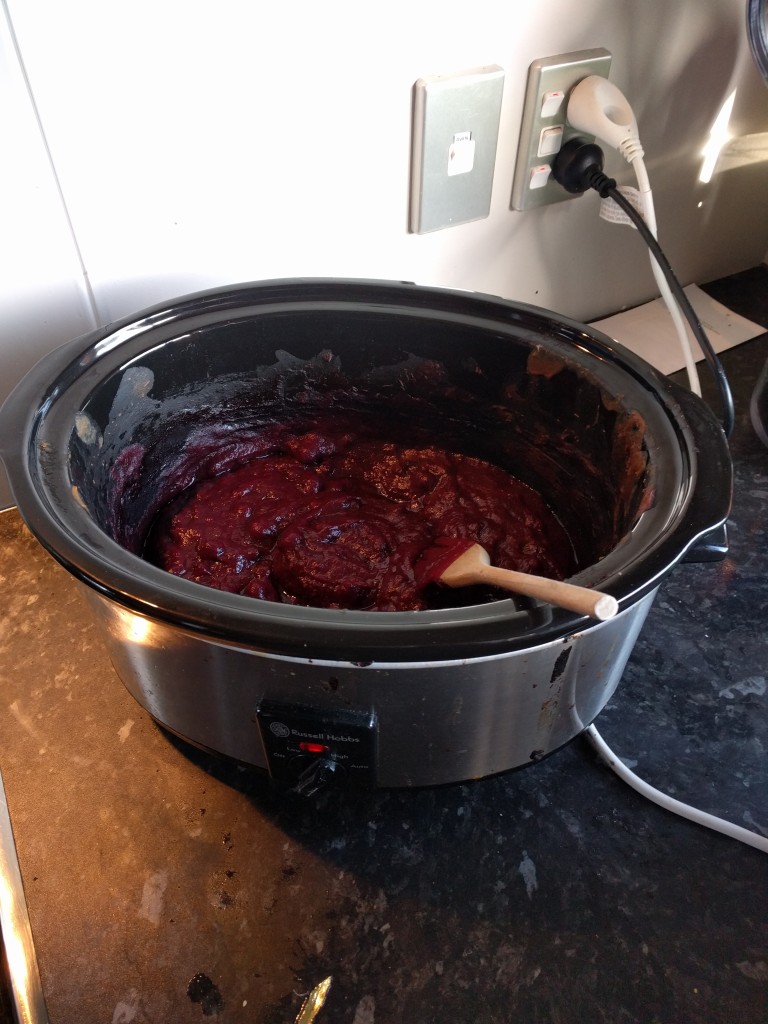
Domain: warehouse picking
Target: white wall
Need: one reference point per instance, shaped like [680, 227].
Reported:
[42, 295]
[200, 143]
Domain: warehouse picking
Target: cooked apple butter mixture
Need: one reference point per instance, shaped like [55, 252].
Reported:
[329, 520]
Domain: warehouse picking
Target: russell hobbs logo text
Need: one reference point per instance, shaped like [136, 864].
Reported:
[325, 736]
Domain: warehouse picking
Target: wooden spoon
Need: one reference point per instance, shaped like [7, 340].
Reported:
[474, 566]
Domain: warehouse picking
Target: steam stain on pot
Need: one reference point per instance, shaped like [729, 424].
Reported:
[550, 707]
[560, 664]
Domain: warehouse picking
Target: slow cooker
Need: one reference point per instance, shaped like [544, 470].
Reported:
[103, 431]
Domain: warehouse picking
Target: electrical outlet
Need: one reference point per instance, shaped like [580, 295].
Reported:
[544, 128]
[455, 130]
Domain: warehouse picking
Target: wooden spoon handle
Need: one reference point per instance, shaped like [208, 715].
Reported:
[565, 595]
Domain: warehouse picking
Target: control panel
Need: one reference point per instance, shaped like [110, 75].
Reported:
[310, 748]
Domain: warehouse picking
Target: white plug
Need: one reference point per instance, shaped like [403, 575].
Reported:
[597, 107]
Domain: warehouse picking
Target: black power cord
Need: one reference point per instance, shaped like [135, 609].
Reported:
[578, 167]
[581, 167]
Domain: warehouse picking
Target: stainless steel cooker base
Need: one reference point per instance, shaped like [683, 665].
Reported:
[436, 722]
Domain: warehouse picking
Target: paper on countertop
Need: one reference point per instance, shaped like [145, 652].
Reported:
[649, 332]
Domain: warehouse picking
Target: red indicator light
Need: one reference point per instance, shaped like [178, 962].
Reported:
[314, 748]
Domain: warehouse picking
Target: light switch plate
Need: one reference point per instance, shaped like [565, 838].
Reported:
[455, 131]
[548, 77]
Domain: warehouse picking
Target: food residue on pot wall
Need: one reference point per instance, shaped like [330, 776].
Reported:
[543, 428]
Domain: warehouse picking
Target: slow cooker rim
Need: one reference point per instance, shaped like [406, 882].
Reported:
[357, 637]
[80, 560]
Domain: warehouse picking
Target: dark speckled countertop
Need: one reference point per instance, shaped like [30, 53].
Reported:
[554, 895]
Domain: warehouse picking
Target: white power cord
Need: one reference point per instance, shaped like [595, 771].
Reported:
[727, 828]
[598, 108]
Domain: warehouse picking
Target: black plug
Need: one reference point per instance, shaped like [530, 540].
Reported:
[579, 166]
